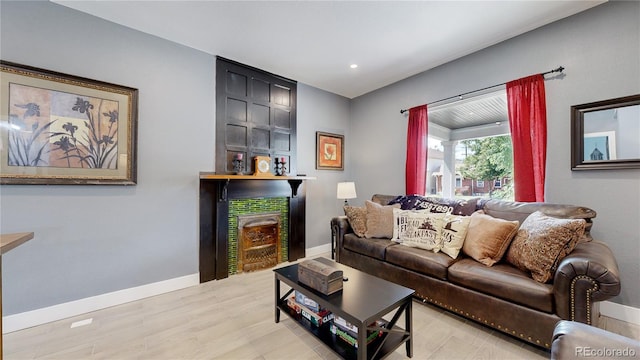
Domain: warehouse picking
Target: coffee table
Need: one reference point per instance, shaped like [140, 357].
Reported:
[363, 300]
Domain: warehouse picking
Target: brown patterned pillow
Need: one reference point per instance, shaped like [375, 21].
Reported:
[379, 220]
[357, 217]
[488, 238]
[542, 242]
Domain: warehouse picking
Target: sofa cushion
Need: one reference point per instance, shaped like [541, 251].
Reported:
[436, 204]
[514, 210]
[357, 217]
[379, 220]
[417, 228]
[454, 232]
[503, 281]
[375, 248]
[542, 242]
[488, 238]
[382, 199]
[420, 260]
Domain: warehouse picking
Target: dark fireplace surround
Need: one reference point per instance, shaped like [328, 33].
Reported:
[215, 193]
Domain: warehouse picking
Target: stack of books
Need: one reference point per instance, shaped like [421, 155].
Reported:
[309, 309]
[348, 332]
[339, 327]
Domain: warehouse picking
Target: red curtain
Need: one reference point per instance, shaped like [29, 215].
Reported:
[528, 121]
[416, 166]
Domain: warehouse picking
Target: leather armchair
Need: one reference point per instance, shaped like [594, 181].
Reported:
[575, 340]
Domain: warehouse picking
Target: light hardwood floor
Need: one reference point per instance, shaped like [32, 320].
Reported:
[234, 319]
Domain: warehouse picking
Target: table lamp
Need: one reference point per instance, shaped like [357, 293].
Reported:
[346, 190]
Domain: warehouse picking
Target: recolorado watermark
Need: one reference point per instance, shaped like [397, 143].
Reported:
[605, 352]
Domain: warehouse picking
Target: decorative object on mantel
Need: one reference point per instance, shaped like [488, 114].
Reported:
[87, 138]
[262, 166]
[281, 166]
[238, 164]
[346, 190]
[329, 151]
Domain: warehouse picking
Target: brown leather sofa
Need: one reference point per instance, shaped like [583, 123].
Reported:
[501, 296]
[574, 340]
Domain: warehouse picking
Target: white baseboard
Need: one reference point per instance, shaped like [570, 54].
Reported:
[318, 250]
[620, 312]
[41, 316]
[11, 323]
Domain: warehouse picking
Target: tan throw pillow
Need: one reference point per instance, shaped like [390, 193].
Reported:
[454, 232]
[357, 217]
[488, 238]
[379, 220]
[418, 228]
[542, 242]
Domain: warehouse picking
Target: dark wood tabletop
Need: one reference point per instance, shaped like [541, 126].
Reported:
[364, 297]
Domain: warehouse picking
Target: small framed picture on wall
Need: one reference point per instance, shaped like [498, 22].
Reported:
[329, 151]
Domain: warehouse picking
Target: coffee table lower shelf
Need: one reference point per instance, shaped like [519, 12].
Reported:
[392, 340]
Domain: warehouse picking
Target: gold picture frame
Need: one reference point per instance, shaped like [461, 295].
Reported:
[329, 151]
[62, 129]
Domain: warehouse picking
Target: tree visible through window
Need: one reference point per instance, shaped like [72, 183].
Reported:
[489, 160]
[483, 168]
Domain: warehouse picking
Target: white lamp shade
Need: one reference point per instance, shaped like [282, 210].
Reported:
[347, 190]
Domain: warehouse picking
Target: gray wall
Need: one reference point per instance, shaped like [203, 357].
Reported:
[91, 240]
[600, 49]
[319, 110]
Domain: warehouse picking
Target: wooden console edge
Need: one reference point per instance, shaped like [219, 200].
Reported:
[214, 176]
[12, 241]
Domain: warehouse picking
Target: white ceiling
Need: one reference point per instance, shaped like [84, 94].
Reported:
[314, 42]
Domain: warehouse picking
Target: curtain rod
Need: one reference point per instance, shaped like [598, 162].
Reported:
[559, 69]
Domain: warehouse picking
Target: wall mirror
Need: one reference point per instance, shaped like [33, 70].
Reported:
[606, 134]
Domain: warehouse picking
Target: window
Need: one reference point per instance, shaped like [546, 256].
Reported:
[478, 129]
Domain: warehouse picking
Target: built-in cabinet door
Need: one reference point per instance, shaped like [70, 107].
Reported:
[255, 116]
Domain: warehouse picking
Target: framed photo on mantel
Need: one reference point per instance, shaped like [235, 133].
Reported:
[62, 129]
[329, 151]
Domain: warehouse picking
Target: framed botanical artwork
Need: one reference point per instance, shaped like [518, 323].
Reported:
[62, 129]
[329, 151]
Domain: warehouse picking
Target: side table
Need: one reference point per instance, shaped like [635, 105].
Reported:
[9, 242]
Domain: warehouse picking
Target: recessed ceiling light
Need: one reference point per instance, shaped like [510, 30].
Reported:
[353, 66]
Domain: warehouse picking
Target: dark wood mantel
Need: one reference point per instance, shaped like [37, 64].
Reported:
[294, 181]
[215, 193]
